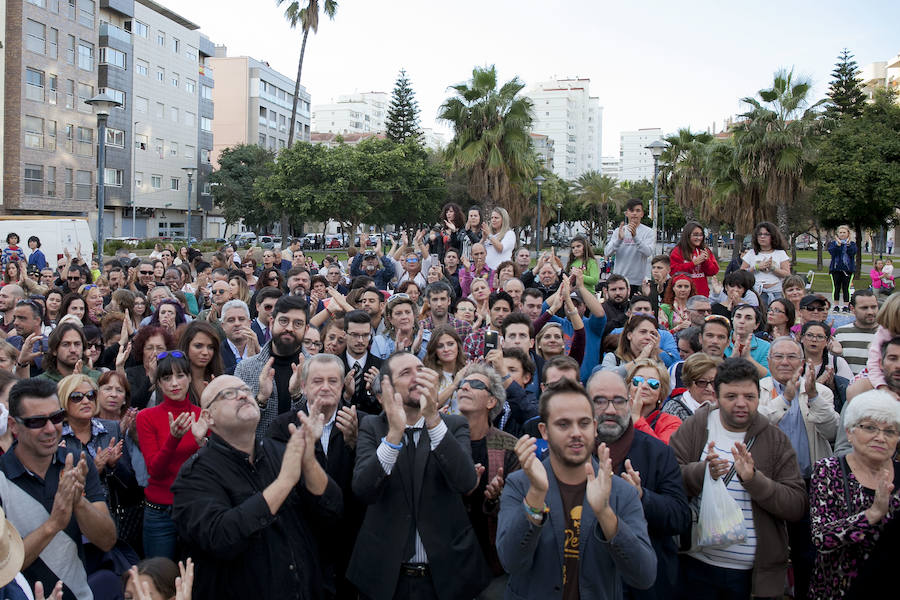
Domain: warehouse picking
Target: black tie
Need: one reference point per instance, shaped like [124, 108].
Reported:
[411, 460]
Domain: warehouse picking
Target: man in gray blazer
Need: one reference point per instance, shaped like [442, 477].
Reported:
[568, 528]
[412, 467]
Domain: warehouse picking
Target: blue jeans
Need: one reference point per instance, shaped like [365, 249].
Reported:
[159, 533]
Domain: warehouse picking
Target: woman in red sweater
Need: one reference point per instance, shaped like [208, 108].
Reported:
[168, 434]
[691, 256]
[648, 387]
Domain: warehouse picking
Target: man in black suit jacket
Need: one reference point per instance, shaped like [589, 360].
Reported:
[322, 383]
[240, 340]
[358, 326]
[413, 466]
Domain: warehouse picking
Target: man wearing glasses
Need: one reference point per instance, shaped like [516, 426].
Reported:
[246, 507]
[51, 493]
[813, 307]
[360, 362]
[146, 279]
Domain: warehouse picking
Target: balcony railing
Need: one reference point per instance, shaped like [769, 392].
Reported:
[110, 30]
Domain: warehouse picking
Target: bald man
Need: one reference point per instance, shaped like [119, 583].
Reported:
[9, 295]
[245, 507]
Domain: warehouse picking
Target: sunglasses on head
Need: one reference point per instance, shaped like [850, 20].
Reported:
[638, 380]
[77, 397]
[172, 353]
[38, 422]
[475, 384]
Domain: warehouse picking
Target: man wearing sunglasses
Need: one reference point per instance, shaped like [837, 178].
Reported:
[145, 276]
[649, 465]
[46, 490]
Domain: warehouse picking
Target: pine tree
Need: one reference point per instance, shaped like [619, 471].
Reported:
[403, 116]
[845, 95]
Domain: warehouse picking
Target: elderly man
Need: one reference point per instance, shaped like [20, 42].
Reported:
[240, 340]
[804, 409]
[515, 289]
[219, 294]
[650, 466]
[698, 307]
[9, 296]
[368, 263]
[476, 269]
[28, 317]
[246, 507]
[732, 440]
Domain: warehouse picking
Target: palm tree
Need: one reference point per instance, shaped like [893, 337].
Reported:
[681, 170]
[491, 141]
[595, 193]
[775, 139]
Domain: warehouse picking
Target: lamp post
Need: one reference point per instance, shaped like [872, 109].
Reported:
[539, 180]
[133, 179]
[190, 176]
[102, 103]
[558, 222]
[656, 148]
[662, 218]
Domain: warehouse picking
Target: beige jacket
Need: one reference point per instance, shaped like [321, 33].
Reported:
[821, 420]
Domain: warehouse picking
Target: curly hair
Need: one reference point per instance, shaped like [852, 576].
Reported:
[144, 334]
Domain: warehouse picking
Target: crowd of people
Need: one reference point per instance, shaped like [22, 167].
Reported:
[450, 418]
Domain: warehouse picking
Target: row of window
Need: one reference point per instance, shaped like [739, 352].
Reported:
[272, 142]
[174, 114]
[44, 40]
[41, 181]
[41, 134]
[156, 182]
[162, 150]
[83, 11]
[275, 92]
[141, 29]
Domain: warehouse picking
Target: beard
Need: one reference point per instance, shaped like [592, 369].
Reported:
[286, 344]
[611, 428]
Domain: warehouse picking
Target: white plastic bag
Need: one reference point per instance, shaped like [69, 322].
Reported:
[721, 521]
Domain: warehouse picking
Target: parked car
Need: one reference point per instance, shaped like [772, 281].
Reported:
[266, 242]
[371, 241]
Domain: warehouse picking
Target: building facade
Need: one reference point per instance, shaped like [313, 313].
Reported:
[353, 113]
[635, 161]
[253, 104]
[609, 166]
[572, 119]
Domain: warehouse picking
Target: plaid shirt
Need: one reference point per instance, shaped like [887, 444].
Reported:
[473, 345]
[463, 328]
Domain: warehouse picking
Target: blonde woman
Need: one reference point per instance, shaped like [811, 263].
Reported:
[842, 267]
[648, 387]
[239, 289]
[499, 240]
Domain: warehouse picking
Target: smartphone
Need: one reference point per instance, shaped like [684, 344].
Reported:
[491, 341]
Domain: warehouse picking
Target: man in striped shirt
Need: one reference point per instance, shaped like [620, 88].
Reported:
[856, 337]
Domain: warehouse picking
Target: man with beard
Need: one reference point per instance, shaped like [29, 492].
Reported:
[298, 282]
[368, 263]
[413, 466]
[573, 502]
[856, 337]
[714, 336]
[372, 301]
[440, 297]
[616, 303]
[65, 347]
[650, 466]
[273, 374]
[246, 507]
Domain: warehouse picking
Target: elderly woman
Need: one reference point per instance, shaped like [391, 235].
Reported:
[648, 386]
[403, 331]
[854, 504]
[699, 375]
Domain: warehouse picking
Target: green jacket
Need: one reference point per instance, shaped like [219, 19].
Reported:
[56, 376]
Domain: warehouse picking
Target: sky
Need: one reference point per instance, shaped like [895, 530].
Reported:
[651, 64]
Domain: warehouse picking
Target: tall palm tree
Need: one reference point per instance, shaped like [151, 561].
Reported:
[776, 138]
[491, 141]
[597, 192]
[681, 170]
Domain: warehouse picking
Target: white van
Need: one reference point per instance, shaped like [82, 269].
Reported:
[56, 234]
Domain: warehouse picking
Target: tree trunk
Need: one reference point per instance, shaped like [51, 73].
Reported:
[738, 243]
[859, 248]
[285, 218]
[782, 218]
[819, 261]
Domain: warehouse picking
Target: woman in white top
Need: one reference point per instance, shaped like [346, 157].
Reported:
[767, 260]
[500, 240]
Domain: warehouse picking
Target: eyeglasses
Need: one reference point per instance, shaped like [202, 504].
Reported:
[77, 397]
[872, 430]
[780, 357]
[173, 354]
[39, 422]
[638, 380]
[95, 344]
[412, 260]
[475, 384]
[313, 343]
[602, 402]
[360, 336]
[146, 272]
[234, 393]
[705, 383]
[219, 292]
[77, 278]
[286, 323]
[777, 311]
[816, 337]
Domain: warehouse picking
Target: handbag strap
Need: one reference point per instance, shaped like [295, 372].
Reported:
[845, 475]
[732, 471]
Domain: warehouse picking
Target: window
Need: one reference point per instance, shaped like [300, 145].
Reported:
[189, 152]
[156, 182]
[176, 45]
[34, 132]
[272, 142]
[70, 192]
[86, 13]
[117, 95]
[72, 10]
[34, 84]
[141, 141]
[138, 180]
[262, 115]
[113, 177]
[85, 142]
[173, 114]
[190, 119]
[282, 123]
[40, 3]
[115, 137]
[140, 29]
[190, 86]
[85, 92]
[160, 110]
[206, 92]
[205, 124]
[281, 144]
[142, 67]
[206, 189]
[53, 44]
[70, 50]
[160, 38]
[173, 148]
[34, 180]
[174, 79]
[51, 89]
[83, 184]
[141, 104]
[70, 138]
[51, 181]
[70, 94]
[204, 155]
[51, 136]
[160, 74]
[174, 183]
[273, 119]
[160, 144]
[111, 56]
[262, 140]
[85, 55]
[35, 36]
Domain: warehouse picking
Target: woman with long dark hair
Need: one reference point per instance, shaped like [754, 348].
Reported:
[831, 370]
[767, 260]
[691, 256]
[780, 317]
[147, 344]
[200, 343]
[169, 315]
[445, 355]
[73, 304]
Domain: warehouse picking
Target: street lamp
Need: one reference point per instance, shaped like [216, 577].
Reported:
[656, 148]
[662, 218]
[190, 176]
[539, 180]
[102, 103]
[558, 222]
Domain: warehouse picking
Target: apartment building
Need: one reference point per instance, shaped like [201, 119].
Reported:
[352, 113]
[253, 104]
[635, 161]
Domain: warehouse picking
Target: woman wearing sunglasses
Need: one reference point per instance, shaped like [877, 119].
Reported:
[168, 434]
[699, 375]
[648, 387]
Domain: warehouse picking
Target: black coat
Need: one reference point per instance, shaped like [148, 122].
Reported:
[363, 399]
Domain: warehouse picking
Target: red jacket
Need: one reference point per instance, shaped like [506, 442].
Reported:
[664, 425]
[163, 453]
[697, 273]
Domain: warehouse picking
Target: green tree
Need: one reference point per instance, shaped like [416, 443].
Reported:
[775, 140]
[845, 95]
[294, 183]
[233, 186]
[306, 14]
[491, 141]
[403, 115]
[858, 170]
[595, 193]
[681, 170]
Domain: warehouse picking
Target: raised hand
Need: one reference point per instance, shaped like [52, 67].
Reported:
[743, 462]
[63, 500]
[185, 583]
[347, 422]
[881, 504]
[531, 464]
[266, 382]
[292, 461]
[127, 420]
[479, 473]
[810, 379]
[429, 381]
[55, 594]
[598, 486]
[495, 486]
[79, 366]
[349, 384]
[311, 427]
[122, 356]
[27, 354]
[392, 403]
[718, 467]
[199, 427]
[633, 477]
[369, 377]
[622, 231]
[178, 426]
[114, 453]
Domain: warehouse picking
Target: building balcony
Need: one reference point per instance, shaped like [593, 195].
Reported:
[110, 30]
[206, 71]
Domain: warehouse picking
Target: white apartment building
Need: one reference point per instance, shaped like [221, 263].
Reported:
[881, 74]
[353, 113]
[253, 105]
[609, 166]
[635, 161]
[566, 113]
